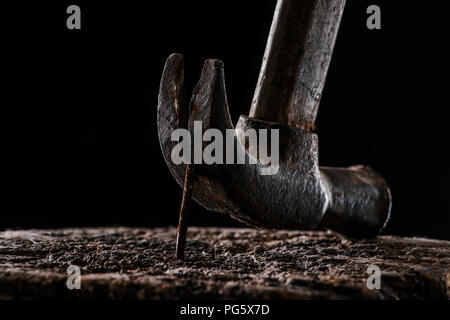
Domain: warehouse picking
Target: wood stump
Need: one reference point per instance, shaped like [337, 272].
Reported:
[139, 263]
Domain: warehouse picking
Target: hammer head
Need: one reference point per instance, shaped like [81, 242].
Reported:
[300, 195]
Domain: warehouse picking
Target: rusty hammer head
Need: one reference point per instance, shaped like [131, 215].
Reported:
[301, 195]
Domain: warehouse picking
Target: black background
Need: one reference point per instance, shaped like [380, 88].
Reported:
[80, 145]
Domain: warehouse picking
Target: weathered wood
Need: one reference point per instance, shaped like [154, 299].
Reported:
[139, 263]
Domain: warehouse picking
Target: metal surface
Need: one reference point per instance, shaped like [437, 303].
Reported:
[355, 200]
[296, 61]
[184, 212]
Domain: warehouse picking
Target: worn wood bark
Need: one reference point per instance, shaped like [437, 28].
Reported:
[138, 263]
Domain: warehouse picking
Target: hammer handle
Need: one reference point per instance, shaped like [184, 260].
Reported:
[296, 60]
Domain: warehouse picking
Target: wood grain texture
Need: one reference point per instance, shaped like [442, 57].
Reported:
[138, 263]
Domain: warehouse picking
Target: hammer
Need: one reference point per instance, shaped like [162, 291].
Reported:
[355, 201]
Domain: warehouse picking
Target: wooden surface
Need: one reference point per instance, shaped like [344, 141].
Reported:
[138, 263]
